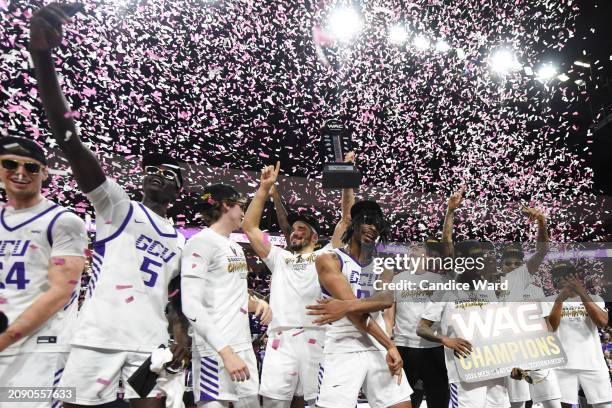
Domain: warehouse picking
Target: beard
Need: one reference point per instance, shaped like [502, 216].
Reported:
[297, 246]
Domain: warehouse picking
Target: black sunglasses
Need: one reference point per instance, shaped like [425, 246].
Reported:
[12, 165]
[165, 173]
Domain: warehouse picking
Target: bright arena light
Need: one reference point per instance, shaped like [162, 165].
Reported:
[562, 77]
[421, 42]
[502, 61]
[546, 72]
[345, 23]
[398, 35]
[442, 46]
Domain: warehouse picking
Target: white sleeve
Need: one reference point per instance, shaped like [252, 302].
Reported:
[271, 260]
[195, 262]
[433, 311]
[68, 236]
[518, 279]
[111, 203]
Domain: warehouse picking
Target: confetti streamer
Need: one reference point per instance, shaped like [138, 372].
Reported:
[226, 85]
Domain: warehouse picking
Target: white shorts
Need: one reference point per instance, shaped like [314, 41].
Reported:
[518, 390]
[481, 394]
[96, 373]
[212, 382]
[343, 375]
[546, 390]
[292, 358]
[594, 383]
[33, 370]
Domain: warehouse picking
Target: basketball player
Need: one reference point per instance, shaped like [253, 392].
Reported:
[295, 344]
[216, 302]
[545, 388]
[423, 359]
[136, 254]
[352, 359]
[480, 394]
[521, 288]
[575, 316]
[42, 247]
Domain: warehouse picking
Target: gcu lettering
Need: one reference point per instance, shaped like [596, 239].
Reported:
[154, 248]
[12, 247]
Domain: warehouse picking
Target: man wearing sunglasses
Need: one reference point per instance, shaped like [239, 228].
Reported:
[42, 253]
[136, 254]
[216, 302]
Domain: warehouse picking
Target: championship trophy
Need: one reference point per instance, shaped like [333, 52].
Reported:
[336, 141]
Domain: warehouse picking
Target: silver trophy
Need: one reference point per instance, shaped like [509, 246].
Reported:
[336, 141]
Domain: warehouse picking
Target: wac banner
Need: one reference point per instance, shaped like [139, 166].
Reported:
[505, 336]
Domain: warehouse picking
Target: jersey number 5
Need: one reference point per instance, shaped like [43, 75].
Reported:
[15, 276]
[146, 268]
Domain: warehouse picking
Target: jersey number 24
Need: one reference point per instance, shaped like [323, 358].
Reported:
[15, 276]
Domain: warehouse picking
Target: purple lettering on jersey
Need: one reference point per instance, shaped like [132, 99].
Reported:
[13, 247]
[143, 242]
[154, 248]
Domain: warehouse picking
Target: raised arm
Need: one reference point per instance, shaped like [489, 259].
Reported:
[348, 199]
[543, 241]
[596, 313]
[454, 201]
[46, 34]
[281, 213]
[252, 218]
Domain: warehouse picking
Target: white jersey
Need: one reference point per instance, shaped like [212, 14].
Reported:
[410, 305]
[578, 334]
[28, 239]
[520, 286]
[214, 281]
[294, 285]
[444, 307]
[342, 336]
[135, 256]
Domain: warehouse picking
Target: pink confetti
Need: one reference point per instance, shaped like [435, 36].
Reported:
[312, 341]
[243, 310]
[129, 299]
[121, 287]
[59, 261]
[103, 381]
[275, 344]
[174, 293]
[74, 114]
